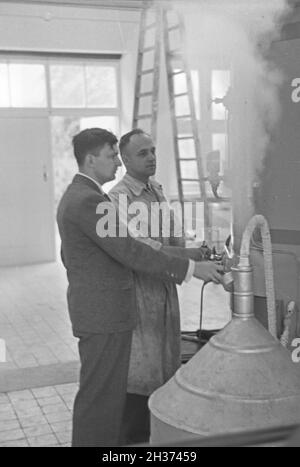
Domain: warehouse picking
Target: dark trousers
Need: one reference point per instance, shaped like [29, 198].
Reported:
[136, 419]
[100, 401]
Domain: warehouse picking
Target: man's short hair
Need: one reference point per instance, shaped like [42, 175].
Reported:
[125, 139]
[89, 140]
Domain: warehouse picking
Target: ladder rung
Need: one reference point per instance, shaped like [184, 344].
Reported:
[183, 116]
[147, 49]
[147, 72]
[144, 94]
[175, 53]
[150, 26]
[189, 180]
[143, 116]
[174, 27]
[181, 94]
[184, 159]
[217, 200]
[179, 72]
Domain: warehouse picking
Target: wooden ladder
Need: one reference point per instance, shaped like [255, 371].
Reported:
[147, 74]
[184, 126]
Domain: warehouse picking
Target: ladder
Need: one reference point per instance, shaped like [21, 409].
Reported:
[184, 126]
[147, 74]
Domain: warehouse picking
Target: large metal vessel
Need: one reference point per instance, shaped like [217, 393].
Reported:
[242, 379]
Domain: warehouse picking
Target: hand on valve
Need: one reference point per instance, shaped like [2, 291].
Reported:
[209, 271]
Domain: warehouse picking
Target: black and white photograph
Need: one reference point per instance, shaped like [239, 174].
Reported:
[149, 226]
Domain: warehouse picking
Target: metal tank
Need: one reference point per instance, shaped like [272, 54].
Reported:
[242, 379]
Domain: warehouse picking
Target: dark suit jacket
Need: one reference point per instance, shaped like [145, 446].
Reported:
[101, 295]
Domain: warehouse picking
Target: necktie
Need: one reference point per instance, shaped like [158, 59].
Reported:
[106, 197]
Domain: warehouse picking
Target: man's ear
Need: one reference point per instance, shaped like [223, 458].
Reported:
[89, 160]
[125, 159]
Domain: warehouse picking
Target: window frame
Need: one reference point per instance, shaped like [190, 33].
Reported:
[48, 59]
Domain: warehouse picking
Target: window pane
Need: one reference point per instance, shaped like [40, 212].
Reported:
[67, 85]
[4, 87]
[101, 84]
[219, 87]
[28, 85]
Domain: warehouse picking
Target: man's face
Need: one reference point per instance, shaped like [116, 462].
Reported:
[105, 164]
[140, 156]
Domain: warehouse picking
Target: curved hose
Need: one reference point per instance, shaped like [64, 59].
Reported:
[260, 221]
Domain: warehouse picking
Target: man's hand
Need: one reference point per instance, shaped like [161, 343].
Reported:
[208, 271]
[198, 254]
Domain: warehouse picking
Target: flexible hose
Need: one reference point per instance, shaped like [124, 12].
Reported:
[260, 221]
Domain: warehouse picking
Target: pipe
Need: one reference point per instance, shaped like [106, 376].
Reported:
[244, 263]
[291, 311]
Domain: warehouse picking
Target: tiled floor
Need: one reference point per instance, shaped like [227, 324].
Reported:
[34, 323]
[37, 417]
[33, 316]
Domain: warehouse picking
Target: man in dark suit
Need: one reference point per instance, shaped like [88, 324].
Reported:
[101, 295]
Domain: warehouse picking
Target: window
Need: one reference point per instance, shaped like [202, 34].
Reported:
[77, 84]
[83, 86]
[67, 86]
[101, 86]
[22, 85]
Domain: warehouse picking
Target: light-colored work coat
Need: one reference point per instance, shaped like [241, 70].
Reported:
[155, 354]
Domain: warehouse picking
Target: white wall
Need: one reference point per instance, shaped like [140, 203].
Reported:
[63, 28]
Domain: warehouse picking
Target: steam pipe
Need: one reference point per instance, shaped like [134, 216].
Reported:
[244, 264]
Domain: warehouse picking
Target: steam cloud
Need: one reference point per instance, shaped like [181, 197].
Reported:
[236, 35]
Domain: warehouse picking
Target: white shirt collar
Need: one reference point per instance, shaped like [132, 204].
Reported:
[93, 180]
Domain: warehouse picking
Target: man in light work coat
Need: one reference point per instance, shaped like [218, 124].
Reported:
[155, 353]
[101, 292]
